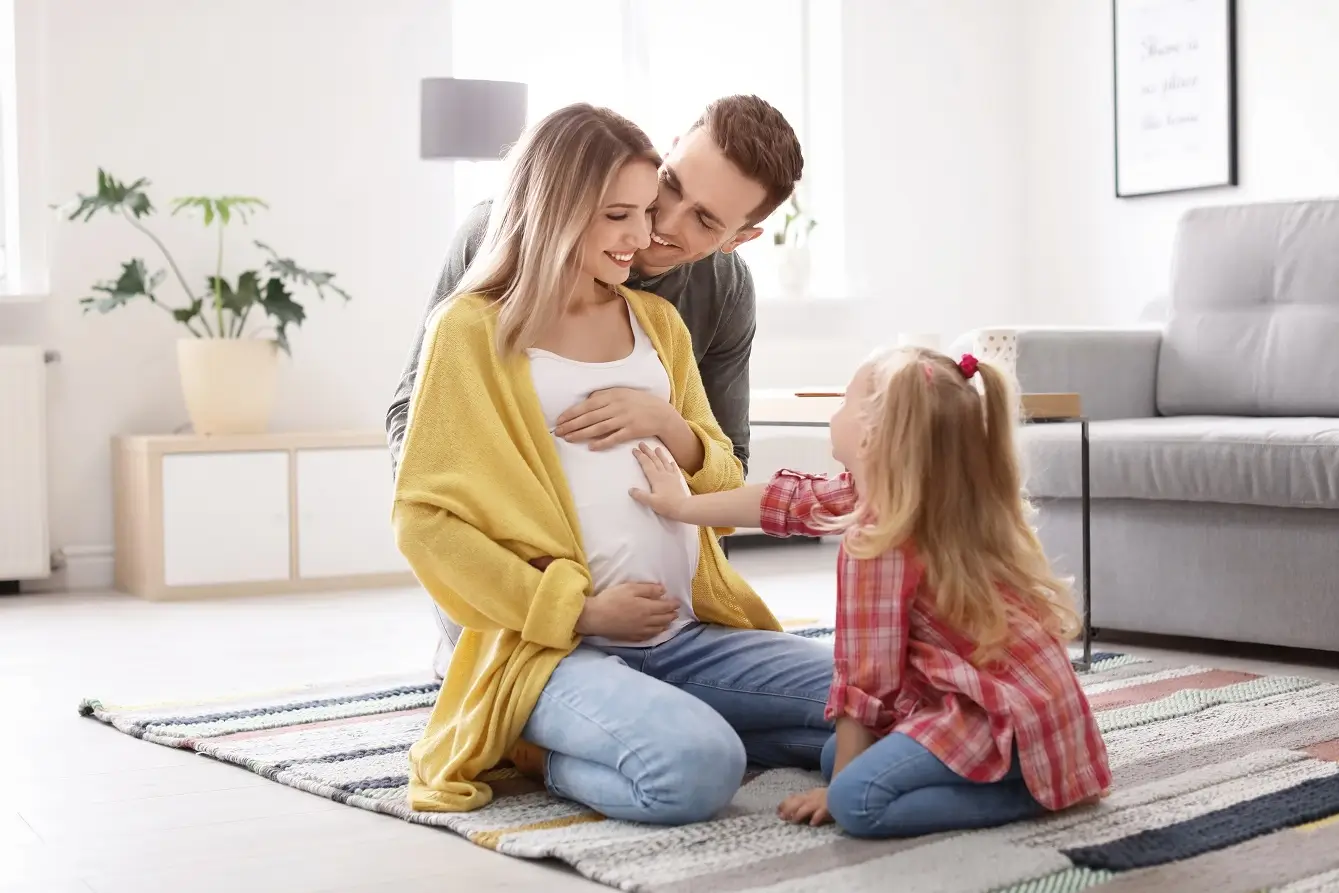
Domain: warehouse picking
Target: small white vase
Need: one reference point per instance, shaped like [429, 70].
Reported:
[792, 271]
[229, 384]
[999, 347]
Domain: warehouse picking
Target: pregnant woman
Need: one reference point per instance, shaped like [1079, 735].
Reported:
[610, 651]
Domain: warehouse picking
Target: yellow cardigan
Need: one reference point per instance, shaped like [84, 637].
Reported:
[479, 493]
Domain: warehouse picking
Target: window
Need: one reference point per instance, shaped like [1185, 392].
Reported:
[20, 264]
[659, 63]
[564, 58]
[698, 50]
[4, 205]
[7, 96]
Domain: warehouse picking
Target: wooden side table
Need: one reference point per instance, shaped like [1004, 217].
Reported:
[1053, 409]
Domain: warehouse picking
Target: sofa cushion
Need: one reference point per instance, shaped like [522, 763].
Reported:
[1284, 462]
[1254, 321]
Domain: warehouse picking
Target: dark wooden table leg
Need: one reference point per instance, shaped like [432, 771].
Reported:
[1086, 525]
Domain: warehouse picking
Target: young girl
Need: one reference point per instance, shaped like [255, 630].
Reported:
[954, 700]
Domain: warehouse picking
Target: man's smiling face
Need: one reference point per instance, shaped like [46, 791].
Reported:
[706, 204]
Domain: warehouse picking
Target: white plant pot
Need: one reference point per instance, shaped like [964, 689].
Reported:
[229, 384]
[792, 271]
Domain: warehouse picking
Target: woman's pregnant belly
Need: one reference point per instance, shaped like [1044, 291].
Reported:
[626, 542]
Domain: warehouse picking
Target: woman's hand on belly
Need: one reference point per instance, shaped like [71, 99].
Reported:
[628, 612]
[613, 416]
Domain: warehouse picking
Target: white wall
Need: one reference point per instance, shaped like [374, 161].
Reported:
[932, 141]
[311, 104]
[1092, 258]
[976, 164]
[934, 134]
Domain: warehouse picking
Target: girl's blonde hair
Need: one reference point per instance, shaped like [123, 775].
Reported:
[941, 476]
[557, 175]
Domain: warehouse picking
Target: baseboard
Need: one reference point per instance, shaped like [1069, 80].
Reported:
[79, 569]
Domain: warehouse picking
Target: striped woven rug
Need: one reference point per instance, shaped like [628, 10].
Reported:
[1225, 781]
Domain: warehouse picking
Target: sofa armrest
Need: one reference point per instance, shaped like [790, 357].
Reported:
[1114, 371]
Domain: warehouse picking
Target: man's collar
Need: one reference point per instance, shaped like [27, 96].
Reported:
[641, 281]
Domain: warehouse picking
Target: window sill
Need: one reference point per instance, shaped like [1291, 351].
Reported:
[784, 300]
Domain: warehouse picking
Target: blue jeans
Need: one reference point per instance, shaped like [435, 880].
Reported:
[897, 788]
[662, 734]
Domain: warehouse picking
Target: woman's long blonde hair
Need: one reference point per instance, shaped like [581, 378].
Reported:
[941, 476]
[557, 174]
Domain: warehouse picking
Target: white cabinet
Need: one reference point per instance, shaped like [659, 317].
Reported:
[251, 515]
[344, 513]
[225, 518]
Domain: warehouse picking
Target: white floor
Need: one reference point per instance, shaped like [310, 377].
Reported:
[84, 808]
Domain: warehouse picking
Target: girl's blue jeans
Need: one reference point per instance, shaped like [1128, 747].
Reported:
[897, 788]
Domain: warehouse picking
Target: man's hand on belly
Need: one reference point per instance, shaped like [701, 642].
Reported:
[616, 415]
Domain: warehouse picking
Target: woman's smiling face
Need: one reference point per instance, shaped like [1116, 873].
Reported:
[622, 225]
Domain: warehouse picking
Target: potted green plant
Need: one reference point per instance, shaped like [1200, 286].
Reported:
[791, 248]
[236, 326]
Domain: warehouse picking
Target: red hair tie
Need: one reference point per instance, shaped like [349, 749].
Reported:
[968, 365]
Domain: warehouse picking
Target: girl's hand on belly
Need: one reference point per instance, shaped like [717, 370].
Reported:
[668, 494]
[628, 612]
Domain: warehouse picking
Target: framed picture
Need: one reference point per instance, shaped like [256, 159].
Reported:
[1175, 97]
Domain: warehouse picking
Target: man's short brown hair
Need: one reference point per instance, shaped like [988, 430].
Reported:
[760, 142]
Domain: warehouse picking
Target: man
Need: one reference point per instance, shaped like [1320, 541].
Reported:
[737, 163]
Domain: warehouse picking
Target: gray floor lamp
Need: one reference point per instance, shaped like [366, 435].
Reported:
[469, 120]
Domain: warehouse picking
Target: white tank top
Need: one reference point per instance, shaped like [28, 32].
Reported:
[624, 542]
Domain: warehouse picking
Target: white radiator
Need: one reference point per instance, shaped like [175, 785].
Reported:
[25, 551]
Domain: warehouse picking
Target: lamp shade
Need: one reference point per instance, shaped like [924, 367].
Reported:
[469, 119]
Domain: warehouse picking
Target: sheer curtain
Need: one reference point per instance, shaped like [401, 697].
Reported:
[659, 63]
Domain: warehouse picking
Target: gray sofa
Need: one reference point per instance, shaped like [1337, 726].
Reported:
[1215, 441]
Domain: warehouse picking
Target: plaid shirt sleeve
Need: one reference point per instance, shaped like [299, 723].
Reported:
[791, 497]
[873, 629]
